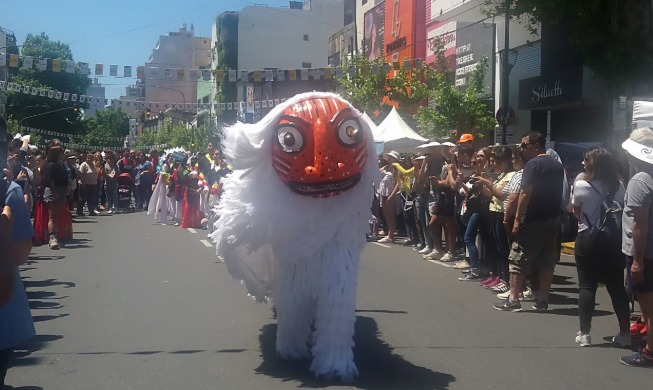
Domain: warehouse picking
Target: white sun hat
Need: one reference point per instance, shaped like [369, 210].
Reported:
[639, 151]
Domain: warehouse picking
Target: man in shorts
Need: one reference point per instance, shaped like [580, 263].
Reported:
[537, 224]
[637, 237]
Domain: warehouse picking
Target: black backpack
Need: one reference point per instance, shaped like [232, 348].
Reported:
[606, 230]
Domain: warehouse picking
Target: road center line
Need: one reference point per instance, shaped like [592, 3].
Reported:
[192, 230]
[206, 243]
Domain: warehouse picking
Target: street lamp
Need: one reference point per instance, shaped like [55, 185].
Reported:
[20, 123]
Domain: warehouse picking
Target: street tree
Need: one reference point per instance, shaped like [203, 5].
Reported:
[21, 105]
[466, 111]
[191, 138]
[364, 88]
[112, 122]
[614, 38]
[452, 107]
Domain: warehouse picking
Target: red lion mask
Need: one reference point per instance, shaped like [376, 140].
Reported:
[319, 147]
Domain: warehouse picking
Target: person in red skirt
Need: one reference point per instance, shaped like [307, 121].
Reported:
[191, 216]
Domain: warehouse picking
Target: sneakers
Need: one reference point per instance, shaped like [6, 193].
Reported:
[470, 276]
[638, 330]
[540, 306]
[447, 257]
[110, 212]
[502, 287]
[622, 339]
[417, 248]
[461, 265]
[434, 255]
[386, 240]
[528, 294]
[584, 340]
[644, 358]
[487, 280]
[506, 295]
[495, 282]
[506, 305]
[425, 251]
[54, 244]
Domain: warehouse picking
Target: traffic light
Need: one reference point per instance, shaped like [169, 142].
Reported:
[148, 113]
[75, 108]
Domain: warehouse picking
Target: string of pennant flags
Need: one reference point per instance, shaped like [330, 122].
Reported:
[71, 137]
[220, 75]
[157, 106]
[84, 147]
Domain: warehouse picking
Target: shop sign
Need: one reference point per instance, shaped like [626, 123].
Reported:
[551, 90]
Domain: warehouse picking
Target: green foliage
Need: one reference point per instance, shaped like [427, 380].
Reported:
[108, 123]
[612, 37]
[364, 89]
[465, 111]
[227, 56]
[20, 105]
[191, 138]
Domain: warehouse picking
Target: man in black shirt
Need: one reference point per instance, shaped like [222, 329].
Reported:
[537, 223]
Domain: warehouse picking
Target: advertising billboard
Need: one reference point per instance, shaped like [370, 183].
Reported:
[464, 45]
[404, 29]
[374, 31]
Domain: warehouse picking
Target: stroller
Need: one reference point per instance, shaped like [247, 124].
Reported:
[125, 189]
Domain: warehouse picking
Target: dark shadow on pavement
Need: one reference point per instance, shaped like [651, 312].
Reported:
[46, 283]
[36, 305]
[22, 354]
[568, 290]
[378, 366]
[562, 280]
[573, 311]
[84, 221]
[382, 311]
[43, 295]
[558, 299]
[22, 388]
[567, 264]
[77, 243]
[40, 258]
[49, 317]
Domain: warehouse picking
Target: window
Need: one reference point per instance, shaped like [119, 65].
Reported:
[306, 37]
[306, 64]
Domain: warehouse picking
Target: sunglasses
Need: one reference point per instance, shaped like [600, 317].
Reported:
[524, 145]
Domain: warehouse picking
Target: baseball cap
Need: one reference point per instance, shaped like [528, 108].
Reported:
[466, 138]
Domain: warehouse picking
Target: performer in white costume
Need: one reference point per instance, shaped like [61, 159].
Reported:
[293, 218]
[158, 205]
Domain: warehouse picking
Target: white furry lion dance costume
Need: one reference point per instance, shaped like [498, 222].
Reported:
[293, 218]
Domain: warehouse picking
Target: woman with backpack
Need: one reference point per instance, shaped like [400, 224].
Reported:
[598, 200]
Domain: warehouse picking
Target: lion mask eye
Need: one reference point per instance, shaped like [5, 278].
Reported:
[349, 132]
[290, 139]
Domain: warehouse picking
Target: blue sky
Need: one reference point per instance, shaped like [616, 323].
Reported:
[117, 32]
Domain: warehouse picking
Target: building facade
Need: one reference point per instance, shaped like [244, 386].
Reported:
[270, 38]
[97, 90]
[175, 51]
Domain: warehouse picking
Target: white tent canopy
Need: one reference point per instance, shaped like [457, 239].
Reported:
[396, 134]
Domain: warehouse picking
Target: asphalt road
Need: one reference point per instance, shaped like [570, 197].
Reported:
[133, 305]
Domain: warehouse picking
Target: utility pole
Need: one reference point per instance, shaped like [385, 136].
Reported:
[505, 75]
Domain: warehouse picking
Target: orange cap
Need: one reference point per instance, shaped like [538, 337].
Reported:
[466, 138]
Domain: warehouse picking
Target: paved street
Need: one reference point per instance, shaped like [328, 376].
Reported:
[131, 305]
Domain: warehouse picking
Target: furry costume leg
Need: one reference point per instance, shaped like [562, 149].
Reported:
[294, 305]
[336, 313]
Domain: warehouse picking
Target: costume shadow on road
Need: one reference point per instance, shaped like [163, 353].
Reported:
[378, 366]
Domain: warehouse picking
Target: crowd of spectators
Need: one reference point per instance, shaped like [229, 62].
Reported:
[497, 214]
